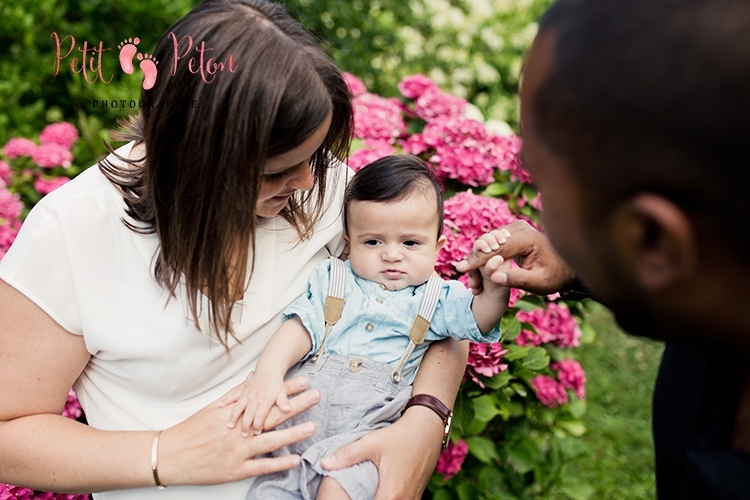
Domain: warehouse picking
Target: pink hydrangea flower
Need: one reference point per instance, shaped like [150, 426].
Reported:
[549, 392]
[515, 296]
[452, 458]
[434, 104]
[44, 186]
[506, 150]
[10, 210]
[373, 150]
[18, 146]
[485, 360]
[378, 118]
[5, 172]
[72, 406]
[52, 155]
[9, 492]
[355, 85]
[11, 205]
[527, 338]
[463, 150]
[467, 217]
[553, 325]
[63, 134]
[413, 87]
[571, 376]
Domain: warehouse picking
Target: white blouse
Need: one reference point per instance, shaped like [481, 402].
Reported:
[150, 367]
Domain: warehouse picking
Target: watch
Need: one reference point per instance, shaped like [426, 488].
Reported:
[434, 404]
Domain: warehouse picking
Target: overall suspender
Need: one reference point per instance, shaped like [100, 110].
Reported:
[334, 306]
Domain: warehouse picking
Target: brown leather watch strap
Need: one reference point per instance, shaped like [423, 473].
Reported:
[432, 403]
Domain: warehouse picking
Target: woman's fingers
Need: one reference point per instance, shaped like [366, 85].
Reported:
[295, 385]
[261, 466]
[297, 405]
[270, 441]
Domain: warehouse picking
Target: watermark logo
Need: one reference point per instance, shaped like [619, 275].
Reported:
[91, 59]
[147, 65]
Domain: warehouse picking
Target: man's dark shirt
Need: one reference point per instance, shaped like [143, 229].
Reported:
[695, 401]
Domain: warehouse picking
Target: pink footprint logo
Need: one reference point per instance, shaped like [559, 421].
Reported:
[148, 66]
[127, 51]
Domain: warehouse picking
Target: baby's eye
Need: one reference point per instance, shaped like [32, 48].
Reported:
[371, 243]
[411, 243]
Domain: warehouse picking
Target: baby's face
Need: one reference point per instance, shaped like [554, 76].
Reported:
[394, 243]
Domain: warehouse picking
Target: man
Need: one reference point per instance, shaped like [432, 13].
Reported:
[635, 117]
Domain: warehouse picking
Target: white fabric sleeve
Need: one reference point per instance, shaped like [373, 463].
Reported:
[38, 266]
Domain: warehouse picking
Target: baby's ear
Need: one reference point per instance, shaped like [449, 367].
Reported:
[346, 238]
[440, 242]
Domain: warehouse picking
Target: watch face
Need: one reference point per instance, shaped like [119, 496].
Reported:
[447, 431]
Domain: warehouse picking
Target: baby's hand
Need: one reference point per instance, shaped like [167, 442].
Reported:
[490, 242]
[254, 400]
[495, 263]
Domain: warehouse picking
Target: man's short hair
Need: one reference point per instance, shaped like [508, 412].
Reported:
[653, 96]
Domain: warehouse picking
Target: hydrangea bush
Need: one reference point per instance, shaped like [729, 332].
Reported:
[517, 416]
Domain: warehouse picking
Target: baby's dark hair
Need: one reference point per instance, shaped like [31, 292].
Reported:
[393, 178]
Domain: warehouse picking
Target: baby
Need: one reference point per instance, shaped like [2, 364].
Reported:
[365, 364]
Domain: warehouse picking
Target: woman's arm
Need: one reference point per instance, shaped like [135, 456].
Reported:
[407, 451]
[39, 361]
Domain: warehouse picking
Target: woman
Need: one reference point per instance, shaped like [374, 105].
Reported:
[153, 283]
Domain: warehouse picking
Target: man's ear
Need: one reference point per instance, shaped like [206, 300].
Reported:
[656, 240]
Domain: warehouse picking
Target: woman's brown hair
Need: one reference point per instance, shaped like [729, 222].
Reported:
[198, 185]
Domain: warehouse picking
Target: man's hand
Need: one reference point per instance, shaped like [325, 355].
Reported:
[541, 270]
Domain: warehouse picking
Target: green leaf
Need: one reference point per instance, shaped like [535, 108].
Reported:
[510, 327]
[520, 389]
[588, 334]
[573, 427]
[441, 494]
[529, 192]
[482, 448]
[579, 491]
[537, 359]
[577, 407]
[466, 491]
[463, 412]
[490, 481]
[474, 427]
[498, 381]
[523, 454]
[508, 409]
[484, 408]
[516, 352]
[496, 189]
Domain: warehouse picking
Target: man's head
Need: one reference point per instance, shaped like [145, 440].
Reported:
[393, 217]
[635, 124]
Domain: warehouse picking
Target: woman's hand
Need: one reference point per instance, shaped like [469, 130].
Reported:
[404, 452]
[541, 269]
[253, 401]
[203, 450]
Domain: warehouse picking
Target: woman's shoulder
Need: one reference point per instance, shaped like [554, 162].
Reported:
[87, 198]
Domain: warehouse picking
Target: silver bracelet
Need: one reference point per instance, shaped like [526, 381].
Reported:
[154, 461]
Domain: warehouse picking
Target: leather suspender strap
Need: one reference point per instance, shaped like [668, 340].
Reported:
[334, 304]
[421, 324]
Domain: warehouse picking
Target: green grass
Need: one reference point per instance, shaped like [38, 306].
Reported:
[620, 371]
